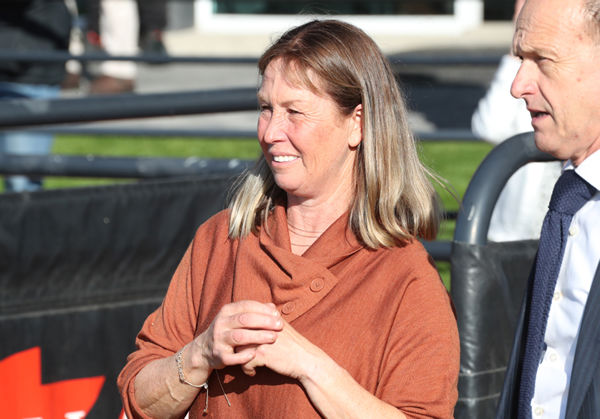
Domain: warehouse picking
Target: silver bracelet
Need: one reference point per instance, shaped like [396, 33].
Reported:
[179, 361]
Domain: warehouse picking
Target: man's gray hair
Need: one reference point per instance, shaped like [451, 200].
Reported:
[592, 11]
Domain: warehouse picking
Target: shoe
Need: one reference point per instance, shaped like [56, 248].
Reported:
[151, 43]
[107, 85]
[70, 81]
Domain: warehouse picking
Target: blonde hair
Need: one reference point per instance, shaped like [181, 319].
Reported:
[394, 199]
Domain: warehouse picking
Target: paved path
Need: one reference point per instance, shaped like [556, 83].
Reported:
[441, 97]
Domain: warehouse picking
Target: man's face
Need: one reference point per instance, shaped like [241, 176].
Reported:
[559, 78]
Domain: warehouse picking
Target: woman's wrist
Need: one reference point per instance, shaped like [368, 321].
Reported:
[181, 371]
[319, 367]
[197, 369]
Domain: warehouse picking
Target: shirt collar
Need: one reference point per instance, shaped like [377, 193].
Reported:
[589, 169]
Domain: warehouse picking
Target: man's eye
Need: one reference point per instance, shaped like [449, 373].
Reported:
[264, 108]
[293, 112]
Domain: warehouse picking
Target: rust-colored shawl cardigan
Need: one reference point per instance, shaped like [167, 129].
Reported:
[383, 315]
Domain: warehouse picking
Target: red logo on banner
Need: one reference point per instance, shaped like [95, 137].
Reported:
[23, 396]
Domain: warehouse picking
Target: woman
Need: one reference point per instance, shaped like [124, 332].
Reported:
[310, 295]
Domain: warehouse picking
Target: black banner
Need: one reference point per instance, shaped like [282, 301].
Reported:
[80, 270]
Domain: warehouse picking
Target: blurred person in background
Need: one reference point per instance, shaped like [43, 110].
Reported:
[74, 68]
[523, 202]
[123, 27]
[113, 27]
[311, 296]
[36, 26]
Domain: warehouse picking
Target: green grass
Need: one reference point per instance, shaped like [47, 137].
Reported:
[454, 161]
[145, 147]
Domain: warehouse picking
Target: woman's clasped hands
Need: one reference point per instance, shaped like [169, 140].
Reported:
[250, 334]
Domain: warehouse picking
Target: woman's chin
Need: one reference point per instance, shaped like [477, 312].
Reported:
[289, 186]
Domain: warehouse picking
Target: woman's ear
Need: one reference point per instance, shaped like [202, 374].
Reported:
[356, 134]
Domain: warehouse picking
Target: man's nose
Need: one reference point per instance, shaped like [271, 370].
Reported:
[524, 83]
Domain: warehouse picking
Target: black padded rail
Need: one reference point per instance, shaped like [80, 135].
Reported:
[488, 280]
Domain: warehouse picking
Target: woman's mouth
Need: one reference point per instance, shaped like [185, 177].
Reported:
[284, 159]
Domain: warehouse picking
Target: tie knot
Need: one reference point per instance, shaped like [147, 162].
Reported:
[570, 193]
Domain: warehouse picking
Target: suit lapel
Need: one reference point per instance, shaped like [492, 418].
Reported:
[587, 353]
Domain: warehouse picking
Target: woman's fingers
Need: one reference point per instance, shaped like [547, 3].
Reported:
[251, 320]
[237, 330]
[249, 369]
[242, 337]
[250, 306]
[249, 315]
[241, 357]
[244, 328]
[290, 354]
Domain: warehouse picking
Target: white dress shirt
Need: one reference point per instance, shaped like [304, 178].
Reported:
[582, 254]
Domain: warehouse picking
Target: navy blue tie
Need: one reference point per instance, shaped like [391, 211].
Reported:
[570, 193]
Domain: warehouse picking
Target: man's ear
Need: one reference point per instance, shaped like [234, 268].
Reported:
[356, 134]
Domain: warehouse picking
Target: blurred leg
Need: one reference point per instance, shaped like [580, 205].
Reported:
[92, 14]
[119, 31]
[153, 15]
[21, 142]
[153, 21]
[76, 47]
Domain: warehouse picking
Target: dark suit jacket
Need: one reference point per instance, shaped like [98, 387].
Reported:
[584, 391]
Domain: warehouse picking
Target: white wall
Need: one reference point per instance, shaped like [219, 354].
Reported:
[468, 14]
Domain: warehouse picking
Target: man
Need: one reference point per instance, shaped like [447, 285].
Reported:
[554, 369]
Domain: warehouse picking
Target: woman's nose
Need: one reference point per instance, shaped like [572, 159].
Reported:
[271, 129]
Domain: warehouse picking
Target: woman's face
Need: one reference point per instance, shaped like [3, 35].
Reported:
[309, 145]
